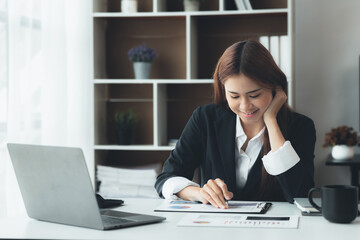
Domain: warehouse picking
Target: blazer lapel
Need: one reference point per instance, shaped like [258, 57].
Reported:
[225, 134]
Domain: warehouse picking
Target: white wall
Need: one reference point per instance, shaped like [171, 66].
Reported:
[326, 58]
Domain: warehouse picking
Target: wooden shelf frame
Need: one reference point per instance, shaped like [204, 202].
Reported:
[189, 45]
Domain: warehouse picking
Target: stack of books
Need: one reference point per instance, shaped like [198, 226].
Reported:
[127, 182]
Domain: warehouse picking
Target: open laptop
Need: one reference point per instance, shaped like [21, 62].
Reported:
[56, 187]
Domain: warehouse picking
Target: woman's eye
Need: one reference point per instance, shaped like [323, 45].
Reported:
[255, 96]
[234, 97]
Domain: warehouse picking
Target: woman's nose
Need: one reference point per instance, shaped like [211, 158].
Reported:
[245, 104]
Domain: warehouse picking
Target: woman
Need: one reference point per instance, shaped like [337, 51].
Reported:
[249, 145]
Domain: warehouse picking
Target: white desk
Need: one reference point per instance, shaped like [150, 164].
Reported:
[314, 227]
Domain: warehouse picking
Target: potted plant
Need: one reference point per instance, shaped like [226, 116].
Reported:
[124, 125]
[192, 5]
[341, 139]
[142, 57]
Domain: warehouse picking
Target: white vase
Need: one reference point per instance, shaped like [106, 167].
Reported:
[142, 70]
[342, 152]
[129, 6]
[191, 5]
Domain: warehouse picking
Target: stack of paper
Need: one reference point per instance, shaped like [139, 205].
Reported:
[123, 182]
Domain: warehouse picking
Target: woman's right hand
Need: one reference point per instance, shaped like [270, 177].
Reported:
[214, 192]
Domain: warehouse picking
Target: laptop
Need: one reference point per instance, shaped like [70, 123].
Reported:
[56, 187]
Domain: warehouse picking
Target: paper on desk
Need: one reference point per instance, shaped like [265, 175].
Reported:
[188, 206]
[203, 220]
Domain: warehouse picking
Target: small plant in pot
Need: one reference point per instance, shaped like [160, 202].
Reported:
[124, 125]
[142, 57]
[341, 139]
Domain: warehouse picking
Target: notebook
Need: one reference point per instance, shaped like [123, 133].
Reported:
[56, 187]
[233, 207]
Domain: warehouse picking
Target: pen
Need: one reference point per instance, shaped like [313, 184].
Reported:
[226, 202]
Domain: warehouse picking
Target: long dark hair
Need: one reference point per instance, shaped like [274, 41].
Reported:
[253, 60]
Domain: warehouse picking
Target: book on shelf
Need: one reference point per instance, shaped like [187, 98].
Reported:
[275, 48]
[118, 182]
[264, 40]
[240, 4]
[285, 61]
[247, 4]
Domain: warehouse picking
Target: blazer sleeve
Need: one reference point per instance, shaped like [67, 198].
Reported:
[185, 158]
[297, 181]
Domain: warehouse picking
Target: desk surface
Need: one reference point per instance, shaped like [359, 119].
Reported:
[310, 227]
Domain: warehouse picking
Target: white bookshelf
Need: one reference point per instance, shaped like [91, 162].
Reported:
[189, 45]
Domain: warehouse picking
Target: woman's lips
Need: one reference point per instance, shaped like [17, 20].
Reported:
[249, 114]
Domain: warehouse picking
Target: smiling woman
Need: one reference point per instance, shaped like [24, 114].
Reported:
[248, 100]
[249, 145]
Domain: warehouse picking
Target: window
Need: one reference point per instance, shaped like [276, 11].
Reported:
[3, 69]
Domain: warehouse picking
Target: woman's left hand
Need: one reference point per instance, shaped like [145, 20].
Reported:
[277, 102]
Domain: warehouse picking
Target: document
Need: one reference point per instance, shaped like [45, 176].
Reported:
[207, 220]
[234, 207]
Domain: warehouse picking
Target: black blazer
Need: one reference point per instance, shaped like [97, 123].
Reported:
[208, 142]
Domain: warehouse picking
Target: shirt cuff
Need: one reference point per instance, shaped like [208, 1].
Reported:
[174, 185]
[281, 160]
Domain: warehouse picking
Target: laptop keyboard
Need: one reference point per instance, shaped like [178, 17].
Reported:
[111, 221]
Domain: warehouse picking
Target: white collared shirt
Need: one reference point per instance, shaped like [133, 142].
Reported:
[245, 160]
[275, 163]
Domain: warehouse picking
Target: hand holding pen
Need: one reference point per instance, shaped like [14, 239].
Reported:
[216, 193]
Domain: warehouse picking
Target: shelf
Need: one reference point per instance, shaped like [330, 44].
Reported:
[176, 103]
[124, 81]
[118, 35]
[160, 6]
[183, 14]
[115, 5]
[217, 33]
[189, 45]
[134, 147]
[128, 100]
[138, 98]
[129, 91]
[210, 36]
[355, 161]
[153, 81]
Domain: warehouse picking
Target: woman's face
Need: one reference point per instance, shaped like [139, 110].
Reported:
[247, 99]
